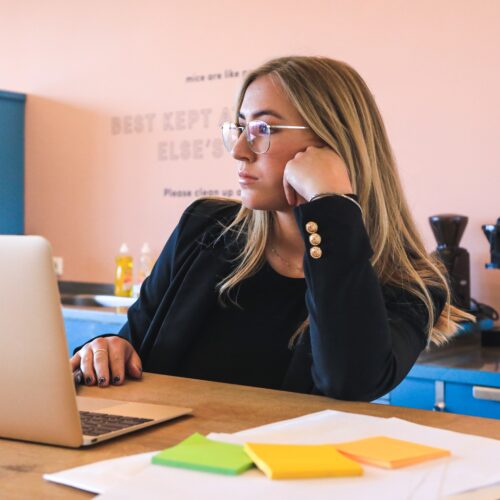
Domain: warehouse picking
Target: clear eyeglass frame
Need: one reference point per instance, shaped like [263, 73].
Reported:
[257, 134]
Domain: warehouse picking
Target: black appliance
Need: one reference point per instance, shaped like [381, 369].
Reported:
[492, 233]
[448, 230]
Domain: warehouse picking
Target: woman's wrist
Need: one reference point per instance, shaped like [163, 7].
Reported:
[349, 196]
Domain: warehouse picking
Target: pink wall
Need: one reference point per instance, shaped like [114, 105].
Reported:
[91, 68]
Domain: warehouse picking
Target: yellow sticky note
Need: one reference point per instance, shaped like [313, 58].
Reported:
[286, 461]
[389, 452]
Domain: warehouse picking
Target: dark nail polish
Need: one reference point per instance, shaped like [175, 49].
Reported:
[78, 379]
[116, 379]
[102, 381]
[88, 380]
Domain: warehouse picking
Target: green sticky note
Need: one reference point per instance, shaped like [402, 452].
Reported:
[199, 453]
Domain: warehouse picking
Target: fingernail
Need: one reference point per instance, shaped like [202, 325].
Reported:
[116, 380]
[102, 381]
[78, 378]
[88, 380]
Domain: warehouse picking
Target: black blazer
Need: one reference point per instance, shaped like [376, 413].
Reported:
[362, 340]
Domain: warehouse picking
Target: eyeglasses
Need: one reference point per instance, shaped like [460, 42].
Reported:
[257, 132]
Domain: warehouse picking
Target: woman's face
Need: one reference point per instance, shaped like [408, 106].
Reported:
[261, 175]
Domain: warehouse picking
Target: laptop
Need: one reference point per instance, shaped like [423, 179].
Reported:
[38, 400]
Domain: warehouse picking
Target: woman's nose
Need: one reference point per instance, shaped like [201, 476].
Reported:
[241, 151]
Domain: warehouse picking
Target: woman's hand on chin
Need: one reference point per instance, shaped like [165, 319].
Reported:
[313, 171]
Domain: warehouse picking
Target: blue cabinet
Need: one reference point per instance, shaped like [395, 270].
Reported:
[12, 162]
[83, 324]
[461, 378]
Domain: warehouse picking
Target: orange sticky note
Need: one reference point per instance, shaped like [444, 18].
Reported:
[389, 452]
[287, 461]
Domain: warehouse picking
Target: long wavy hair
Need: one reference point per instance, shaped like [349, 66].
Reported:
[339, 108]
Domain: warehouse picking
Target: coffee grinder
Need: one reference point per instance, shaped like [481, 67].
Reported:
[448, 230]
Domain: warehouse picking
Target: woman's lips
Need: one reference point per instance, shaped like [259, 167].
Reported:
[245, 178]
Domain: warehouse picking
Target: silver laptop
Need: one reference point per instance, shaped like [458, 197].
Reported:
[37, 393]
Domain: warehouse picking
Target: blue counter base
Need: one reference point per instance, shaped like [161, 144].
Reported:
[444, 379]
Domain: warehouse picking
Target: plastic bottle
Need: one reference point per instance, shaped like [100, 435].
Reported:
[145, 263]
[123, 274]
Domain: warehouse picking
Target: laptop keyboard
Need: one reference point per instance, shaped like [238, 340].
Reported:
[95, 424]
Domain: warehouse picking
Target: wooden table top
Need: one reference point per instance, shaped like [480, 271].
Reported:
[216, 408]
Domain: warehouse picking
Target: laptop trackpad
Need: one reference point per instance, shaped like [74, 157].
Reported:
[96, 404]
[131, 409]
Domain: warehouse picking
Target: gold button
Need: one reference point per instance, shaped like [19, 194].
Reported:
[316, 252]
[315, 239]
[311, 227]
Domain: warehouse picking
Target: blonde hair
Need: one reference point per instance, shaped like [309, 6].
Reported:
[337, 105]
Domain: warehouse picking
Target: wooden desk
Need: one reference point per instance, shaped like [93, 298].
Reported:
[217, 408]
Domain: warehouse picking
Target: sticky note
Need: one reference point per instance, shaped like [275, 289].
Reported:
[286, 461]
[389, 452]
[199, 453]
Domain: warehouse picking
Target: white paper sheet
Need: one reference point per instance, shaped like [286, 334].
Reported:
[180, 484]
[104, 475]
[309, 429]
[475, 462]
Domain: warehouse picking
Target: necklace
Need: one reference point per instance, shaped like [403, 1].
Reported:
[287, 263]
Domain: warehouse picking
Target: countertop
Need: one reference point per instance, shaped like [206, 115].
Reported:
[464, 352]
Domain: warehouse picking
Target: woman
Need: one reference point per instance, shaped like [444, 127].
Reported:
[225, 300]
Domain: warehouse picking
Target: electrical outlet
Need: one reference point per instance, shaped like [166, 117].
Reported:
[58, 266]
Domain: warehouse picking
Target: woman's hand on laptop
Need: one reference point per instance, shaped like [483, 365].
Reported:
[106, 360]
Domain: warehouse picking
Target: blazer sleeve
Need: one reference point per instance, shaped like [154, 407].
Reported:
[364, 340]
